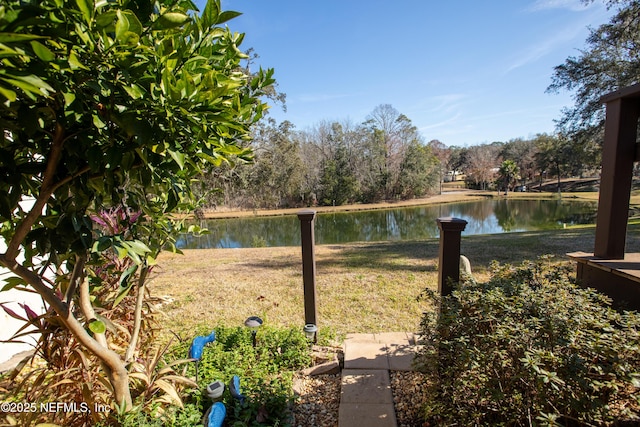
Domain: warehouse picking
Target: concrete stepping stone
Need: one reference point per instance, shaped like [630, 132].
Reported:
[400, 357]
[393, 337]
[365, 355]
[366, 415]
[365, 386]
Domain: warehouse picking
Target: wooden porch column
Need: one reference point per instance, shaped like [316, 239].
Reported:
[449, 254]
[618, 155]
[306, 218]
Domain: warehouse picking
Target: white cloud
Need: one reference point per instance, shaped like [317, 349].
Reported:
[573, 5]
[547, 45]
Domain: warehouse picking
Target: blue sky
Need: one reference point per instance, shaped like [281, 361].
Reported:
[465, 72]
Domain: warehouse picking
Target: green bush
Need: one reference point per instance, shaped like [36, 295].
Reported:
[529, 347]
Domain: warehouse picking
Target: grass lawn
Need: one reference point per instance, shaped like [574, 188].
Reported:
[360, 287]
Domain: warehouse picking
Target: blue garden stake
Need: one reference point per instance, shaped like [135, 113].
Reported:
[195, 351]
[234, 388]
[215, 415]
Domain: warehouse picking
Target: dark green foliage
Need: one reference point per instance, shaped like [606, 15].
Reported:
[529, 347]
[418, 172]
[338, 184]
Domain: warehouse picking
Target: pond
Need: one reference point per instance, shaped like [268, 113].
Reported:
[484, 217]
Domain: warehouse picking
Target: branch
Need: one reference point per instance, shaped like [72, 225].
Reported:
[37, 283]
[137, 322]
[69, 178]
[77, 276]
[89, 312]
[46, 189]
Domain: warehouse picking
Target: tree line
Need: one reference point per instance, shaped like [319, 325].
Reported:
[383, 158]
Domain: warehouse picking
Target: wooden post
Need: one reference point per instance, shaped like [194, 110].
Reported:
[306, 218]
[449, 257]
[618, 155]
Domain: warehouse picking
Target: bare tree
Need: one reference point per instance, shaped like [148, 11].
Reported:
[483, 163]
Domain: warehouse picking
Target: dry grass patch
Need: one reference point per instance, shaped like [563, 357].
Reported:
[360, 287]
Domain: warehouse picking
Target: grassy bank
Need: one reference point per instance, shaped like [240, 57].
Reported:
[360, 287]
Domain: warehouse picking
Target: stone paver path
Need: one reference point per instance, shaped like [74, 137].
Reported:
[366, 399]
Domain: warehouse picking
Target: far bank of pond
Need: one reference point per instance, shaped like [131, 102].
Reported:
[488, 216]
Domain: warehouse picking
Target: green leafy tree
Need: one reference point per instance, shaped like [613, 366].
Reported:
[458, 160]
[420, 172]
[110, 105]
[610, 61]
[508, 174]
[275, 178]
[338, 184]
[522, 152]
[555, 156]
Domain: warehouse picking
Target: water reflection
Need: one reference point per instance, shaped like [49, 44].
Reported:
[483, 217]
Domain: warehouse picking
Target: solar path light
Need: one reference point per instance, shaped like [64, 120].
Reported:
[310, 331]
[253, 323]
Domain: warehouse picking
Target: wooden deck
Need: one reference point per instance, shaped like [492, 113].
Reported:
[617, 278]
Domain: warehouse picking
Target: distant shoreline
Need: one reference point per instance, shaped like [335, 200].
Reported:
[446, 197]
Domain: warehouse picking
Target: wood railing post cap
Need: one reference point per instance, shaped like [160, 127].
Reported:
[451, 223]
[306, 215]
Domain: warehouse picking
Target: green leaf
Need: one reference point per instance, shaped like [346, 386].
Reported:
[98, 123]
[12, 282]
[211, 13]
[106, 20]
[178, 157]
[122, 25]
[9, 94]
[15, 37]
[138, 247]
[227, 16]
[74, 61]
[134, 91]
[123, 293]
[42, 51]
[86, 7]
[135, 26]
[102, 244]
[30, 85]
[97, 327]
[126, 275]
[121, 250]
[69, 97]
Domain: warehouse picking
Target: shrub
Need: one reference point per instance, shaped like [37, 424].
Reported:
[529, 347]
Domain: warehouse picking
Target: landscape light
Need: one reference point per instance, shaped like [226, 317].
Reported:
[310, 331]
[253, 323]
